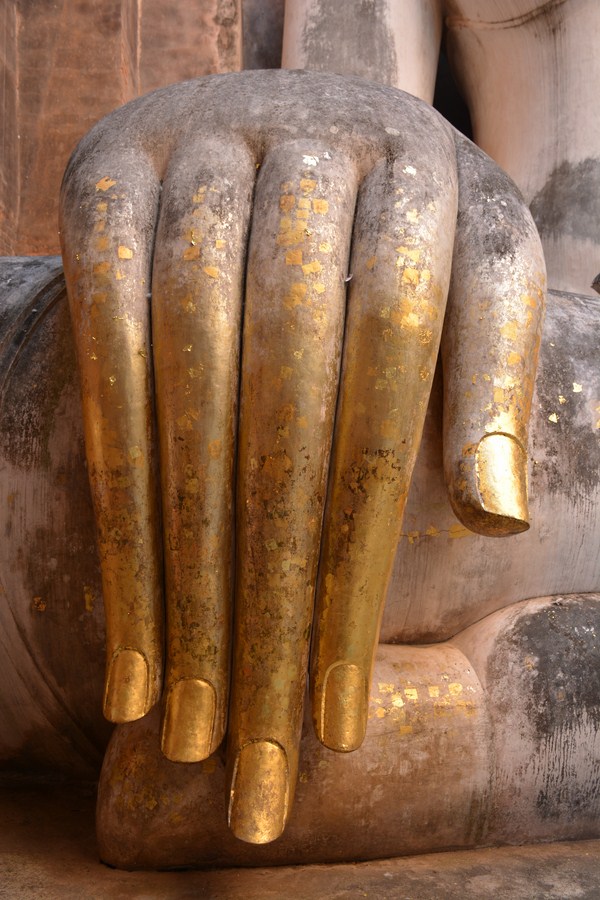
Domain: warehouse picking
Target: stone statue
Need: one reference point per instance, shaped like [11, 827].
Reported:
[456, 729]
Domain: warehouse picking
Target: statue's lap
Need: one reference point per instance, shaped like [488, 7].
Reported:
[435, 770]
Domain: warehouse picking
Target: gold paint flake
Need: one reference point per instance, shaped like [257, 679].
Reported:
[561, 399]
[191, 253]
[510, 330]
[296, 295]
[307, 185]
[214, 448]
[577, 388]
[287, 236]
[293, 258]
[411, 276]
[412, 253]
[105, 183]
[553, 417]
[320, 206]
[459, 531]
[88, 598]
[287, 202]
[311, 268]
[124, 252]
[211, 271]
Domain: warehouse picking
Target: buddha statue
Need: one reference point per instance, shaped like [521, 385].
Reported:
[259, 267]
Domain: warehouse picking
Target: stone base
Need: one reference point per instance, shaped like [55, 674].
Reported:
[48, 849]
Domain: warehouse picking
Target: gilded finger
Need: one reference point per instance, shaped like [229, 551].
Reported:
[490, 347]
[197, 294]
[401, 257]
[109, 207]
[293, 328]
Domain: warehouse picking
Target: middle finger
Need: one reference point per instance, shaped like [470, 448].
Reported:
[293, 329]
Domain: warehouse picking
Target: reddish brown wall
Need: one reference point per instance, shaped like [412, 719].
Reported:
[66, 63]
[9, 162]
[185, 39]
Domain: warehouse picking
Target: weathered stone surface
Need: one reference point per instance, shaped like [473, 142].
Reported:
[497, 746]
[51, 609]
[47, 849]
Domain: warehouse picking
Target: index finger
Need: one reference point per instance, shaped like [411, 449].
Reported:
[108, 210]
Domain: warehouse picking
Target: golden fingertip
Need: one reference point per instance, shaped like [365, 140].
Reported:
[126, 697]
[342, 722]
[501, 471]
[259, 794]
[189, 720]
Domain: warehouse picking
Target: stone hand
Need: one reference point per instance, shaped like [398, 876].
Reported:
[288, 239]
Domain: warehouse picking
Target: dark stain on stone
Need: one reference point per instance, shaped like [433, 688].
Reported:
[564, 640]
[569, 202]
[547, 668]
[491, 209]
[569, 354]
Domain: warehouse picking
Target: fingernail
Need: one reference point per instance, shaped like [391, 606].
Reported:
[501, 467]
[189, 720]
[344, 707]
[127, 683]
[259, 796]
